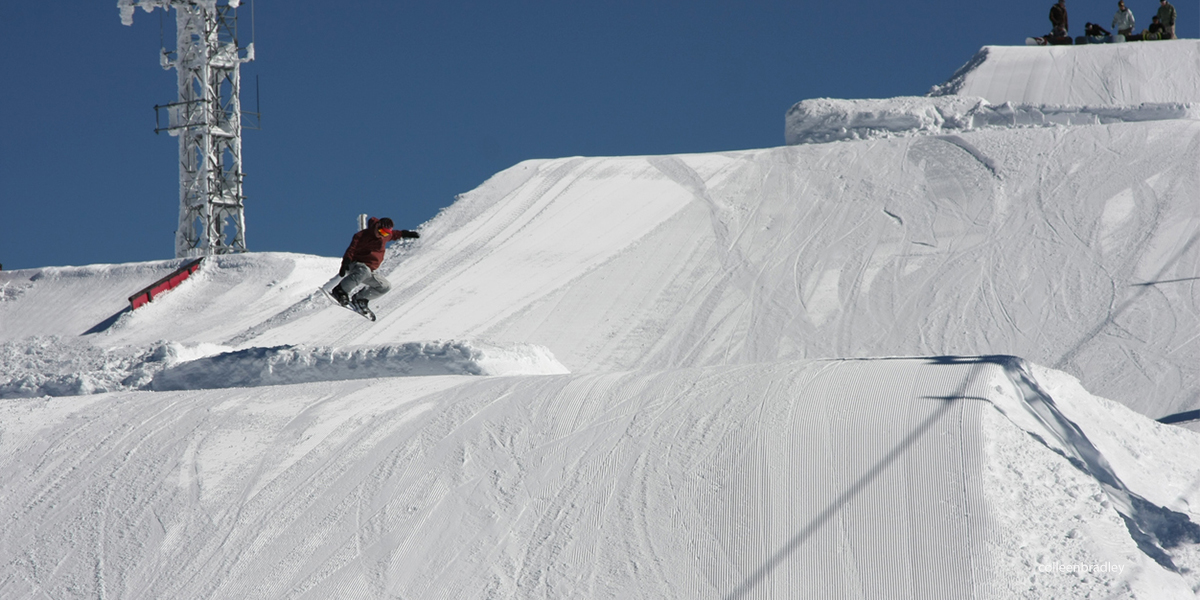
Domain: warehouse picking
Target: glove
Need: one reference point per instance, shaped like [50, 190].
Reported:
[404, 233]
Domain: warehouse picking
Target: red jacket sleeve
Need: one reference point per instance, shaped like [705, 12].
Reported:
[348, 257]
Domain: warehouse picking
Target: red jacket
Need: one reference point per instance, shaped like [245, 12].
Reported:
[368, 245]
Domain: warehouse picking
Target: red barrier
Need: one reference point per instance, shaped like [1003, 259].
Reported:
[165, 284]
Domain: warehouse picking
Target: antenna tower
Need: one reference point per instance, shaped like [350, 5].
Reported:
[207, 119]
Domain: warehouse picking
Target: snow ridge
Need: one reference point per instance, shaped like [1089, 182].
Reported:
[826, 120]
[284, 365]
[54, 366]
[956, 82]
[1155, 529]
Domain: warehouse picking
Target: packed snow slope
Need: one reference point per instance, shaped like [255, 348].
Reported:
[920, 478]
[1072, 247]
[660, 377]
[1090, 75]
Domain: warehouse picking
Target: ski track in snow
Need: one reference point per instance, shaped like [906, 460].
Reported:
[556, 459]
[1082, 264]
[830, 478]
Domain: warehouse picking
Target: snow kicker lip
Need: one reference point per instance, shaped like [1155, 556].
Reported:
[822, 120]
[281, 365]
[1152, 527]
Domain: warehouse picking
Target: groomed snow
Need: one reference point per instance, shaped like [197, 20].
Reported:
[696, 400]
[1091, 75]
[1072, 247]
[786, 480]
[889, 478]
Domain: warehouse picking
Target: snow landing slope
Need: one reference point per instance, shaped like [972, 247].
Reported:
[1071, 247]
[726, 429]
[923, 478]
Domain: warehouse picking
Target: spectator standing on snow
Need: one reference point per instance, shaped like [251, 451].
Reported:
[1058, 17]
[1166, 16]
[1123, 21]
[361, 260]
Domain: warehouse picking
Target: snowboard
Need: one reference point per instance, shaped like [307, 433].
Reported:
[366, 312]
[1048, 41]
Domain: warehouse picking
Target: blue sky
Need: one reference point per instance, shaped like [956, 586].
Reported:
[392, 108]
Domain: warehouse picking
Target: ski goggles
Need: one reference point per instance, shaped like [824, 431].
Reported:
[385, 232]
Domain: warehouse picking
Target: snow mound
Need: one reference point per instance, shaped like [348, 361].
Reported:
[51, 367]
[826, 120]
[1091, 485]
[1092, 75]
[282, 365]
[56, 366]
[1154, 527]
[854, 249]
[945, 477]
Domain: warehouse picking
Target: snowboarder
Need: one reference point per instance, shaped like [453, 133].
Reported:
[1166, 16]
[1155, 31]
[1093, 33]
[360, 262]
[1123, 21]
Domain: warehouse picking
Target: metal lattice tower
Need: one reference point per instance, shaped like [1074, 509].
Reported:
[207, 119]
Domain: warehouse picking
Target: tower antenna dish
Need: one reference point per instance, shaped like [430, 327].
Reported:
[207, 119]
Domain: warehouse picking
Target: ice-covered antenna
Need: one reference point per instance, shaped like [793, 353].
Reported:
[207, 119]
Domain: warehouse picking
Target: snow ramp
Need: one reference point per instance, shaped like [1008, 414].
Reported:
[1093, 75]
[918, 478]
[1073, 247]
[1077, 247]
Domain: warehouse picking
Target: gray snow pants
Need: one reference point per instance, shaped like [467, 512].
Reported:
[374, 285]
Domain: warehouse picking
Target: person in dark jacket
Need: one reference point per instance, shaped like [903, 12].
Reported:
[1058, 17]
[1155, 31]
[1166, 16]
[361, 262]
[1093, 33]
